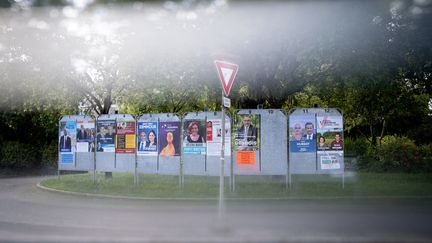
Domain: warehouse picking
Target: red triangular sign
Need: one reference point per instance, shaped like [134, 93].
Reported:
[227, 72]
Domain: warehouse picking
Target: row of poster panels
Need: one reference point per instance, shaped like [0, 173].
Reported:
[313, 133]
[158, 138]
[321, 134]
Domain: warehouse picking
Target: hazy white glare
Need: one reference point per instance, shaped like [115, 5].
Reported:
[154, 41]
[38, 24]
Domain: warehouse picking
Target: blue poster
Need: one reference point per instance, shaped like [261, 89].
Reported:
[106, 136]
[67, 141]
[302, 132]
[147, 138]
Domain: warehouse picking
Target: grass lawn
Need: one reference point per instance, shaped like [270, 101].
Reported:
[358, 185]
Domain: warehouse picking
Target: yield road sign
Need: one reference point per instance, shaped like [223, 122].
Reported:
[227, 72]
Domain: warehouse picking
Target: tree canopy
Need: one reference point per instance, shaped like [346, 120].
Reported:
[372, 59]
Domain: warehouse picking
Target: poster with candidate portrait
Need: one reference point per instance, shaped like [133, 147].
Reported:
[214, 137]
[247, 139]
[106, 136]
[194, 137]
[247, 133]
[67, 141]
[169, 138]
[85, 136]
[330, 142]
[302, 134]
[147, 138]
[125, 137]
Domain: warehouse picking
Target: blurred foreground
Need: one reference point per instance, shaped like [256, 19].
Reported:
[29, 214]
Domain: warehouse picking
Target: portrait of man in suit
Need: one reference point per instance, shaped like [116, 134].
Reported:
[82, 134]
[142, 143]
[247, 134]
[65, 142]
[309, 128]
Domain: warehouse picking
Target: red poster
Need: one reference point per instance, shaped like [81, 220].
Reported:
[125, 141]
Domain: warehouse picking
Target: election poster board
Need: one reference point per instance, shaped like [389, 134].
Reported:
[125, 139]
[214, 137]
[147, 139]
[106, 135]
[85, 136]
[330, 143]
[67, 141]
[169, 138]
[194, 137]
[247, 138]
[302, 134]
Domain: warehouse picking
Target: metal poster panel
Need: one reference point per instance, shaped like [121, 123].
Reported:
[147, 138]
[194, 137]
[125, 139]
[330, 142]
[106, 135]
[274, 147]
[169, 138]
[85, 136]
[302, 134]
[67, 141]
[214, 137]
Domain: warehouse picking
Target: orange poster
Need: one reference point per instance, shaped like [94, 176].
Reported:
[245, 157]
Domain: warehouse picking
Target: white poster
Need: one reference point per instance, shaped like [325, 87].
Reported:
[330, 143]
[330, 161]
[214, 137]
[85, 135]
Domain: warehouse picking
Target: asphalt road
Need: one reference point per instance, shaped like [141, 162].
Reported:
[29, 214]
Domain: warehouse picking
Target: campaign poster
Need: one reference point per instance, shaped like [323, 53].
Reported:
[67, 141]
[85, 136]
[147, 138]
[194, 137]
[214, 137]
[302, 134]
[330, 141]
[329, 161]
[125, 139]
[246, 138]
[106, 136]
[247, 133]
[169, 138]
[330, 133]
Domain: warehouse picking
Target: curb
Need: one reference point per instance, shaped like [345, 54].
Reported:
[84, 194]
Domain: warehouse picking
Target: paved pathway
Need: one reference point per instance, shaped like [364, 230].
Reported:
[29, 214]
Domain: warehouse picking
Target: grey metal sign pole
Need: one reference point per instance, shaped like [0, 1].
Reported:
[221, 179]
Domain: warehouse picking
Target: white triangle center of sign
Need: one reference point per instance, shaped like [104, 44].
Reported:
[227, 73]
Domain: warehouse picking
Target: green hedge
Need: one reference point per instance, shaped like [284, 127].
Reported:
[50, 156]
[394, 154]
[16, 155]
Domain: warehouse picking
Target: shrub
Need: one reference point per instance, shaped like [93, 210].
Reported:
[16, 155]
[362, 147]
[398, 154]
[426, 153]
[50, 156]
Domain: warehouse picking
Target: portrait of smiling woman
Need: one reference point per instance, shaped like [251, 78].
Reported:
[193, 133]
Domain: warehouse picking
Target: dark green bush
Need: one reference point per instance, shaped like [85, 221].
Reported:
[50, 156]
[426, 153]
[362, 146]
[394, 154]
[399, 154]
[16, 155]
